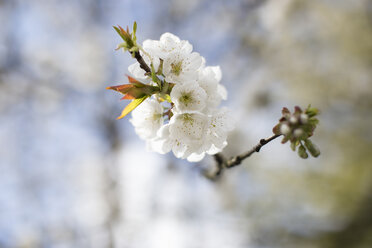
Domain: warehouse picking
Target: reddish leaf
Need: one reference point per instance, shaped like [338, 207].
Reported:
[121, 30]
[132, 79]
[298, 110]
[128, 97]
[136, 93]
[285, 111]
[276, 129]
[124, 88]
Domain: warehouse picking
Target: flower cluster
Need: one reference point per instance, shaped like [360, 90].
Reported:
[177, 98]
[298, 127]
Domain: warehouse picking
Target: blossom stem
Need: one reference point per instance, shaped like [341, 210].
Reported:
[141, 61]
[223, 163]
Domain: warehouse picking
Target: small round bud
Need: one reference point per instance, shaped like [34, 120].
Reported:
[304, 118]
[293, 119]
[298, 132]
[285, 129]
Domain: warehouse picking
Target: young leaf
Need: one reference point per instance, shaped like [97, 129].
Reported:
[119, 32]
[128, 97]
[131, 106]
[285, 111]
[123, 89]
[134, 29]
[311, 111]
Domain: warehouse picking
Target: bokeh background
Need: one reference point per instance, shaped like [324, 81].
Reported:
[73, 176]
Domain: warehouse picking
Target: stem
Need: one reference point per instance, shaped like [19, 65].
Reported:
[222, 163]
[141, 61]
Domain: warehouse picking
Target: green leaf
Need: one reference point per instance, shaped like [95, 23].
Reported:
[134, 28]
[125, 36]
[131, 106]
[154, 77]
[311, 111]
[119, 32]
[165, 97]
[160, 68]
[313, 121]
[314, 151]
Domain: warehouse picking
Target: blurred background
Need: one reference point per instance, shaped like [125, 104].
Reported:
[73, 176]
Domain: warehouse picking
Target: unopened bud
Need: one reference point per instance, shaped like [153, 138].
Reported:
[302, 152]
[314, 151]
[285, 129]
[298, 132]
[304, 118]
[293, 119]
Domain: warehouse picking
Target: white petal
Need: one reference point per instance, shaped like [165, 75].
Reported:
[217, 72]
[147, 118]
[222, 91]
[167, 37]
[179, 66]
[188, 97]
[195, 157]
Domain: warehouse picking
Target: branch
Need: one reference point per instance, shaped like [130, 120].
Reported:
[141, 61]
[223, 163]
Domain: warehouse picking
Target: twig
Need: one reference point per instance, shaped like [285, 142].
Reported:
[222, 163]
[141, 61]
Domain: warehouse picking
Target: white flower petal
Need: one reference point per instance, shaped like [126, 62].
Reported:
[147, 118]
[188, 97]
[179, 66]
[194, 157]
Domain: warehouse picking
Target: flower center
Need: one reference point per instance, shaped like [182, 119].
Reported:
[186, 98]
[176, 68]
[156, 117]
[188, 118]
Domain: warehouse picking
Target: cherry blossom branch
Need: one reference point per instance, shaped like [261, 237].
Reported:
[223, 163]
[194, 114]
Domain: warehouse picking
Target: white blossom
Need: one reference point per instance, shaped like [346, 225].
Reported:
[220, 123]
[196, 125]
[209, 78]
[179, 66]
[193, 135]
[188, 97]
[168, 43]
[147, 118]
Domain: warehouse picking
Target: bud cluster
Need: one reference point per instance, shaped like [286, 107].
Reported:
[175, 97]
[298, 127]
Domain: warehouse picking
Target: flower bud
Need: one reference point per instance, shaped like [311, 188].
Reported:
[304, 118]
[293, 119]
[297, 127]
[298, 132]
[302, 152]
[314, 151]
[284, 129]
